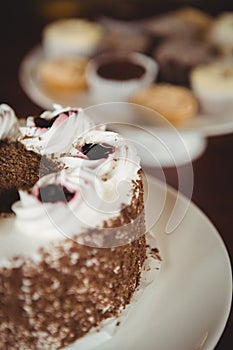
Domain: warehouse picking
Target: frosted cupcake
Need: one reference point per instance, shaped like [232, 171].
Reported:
[176, 103]
[221, 33]
[113, 77]
[195, 17]
[213, 85]
[64, 74]
[71, 37]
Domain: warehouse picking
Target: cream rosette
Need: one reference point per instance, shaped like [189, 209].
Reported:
[67, 203]
[113, 159]
[8, 122]
[54, 131]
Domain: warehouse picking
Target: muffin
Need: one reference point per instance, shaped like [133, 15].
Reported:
[221, 33]
[112, 77]
[168, 26]
[176, 103]
[176, 58]
[63, 74]
[71, 37]
[196, 17]
[213, 85]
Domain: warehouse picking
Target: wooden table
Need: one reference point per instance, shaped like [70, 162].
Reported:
[213, 172]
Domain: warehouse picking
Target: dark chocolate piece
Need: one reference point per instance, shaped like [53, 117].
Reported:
[47, 123]
[55, 193]
[97, 151]
[44, 123]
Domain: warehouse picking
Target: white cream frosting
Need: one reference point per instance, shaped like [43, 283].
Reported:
[53, 220]
[214, 79]
[94, 202]
[222, 31]
[59, 137]
[71, 36]
[116, 171]
[8, 122]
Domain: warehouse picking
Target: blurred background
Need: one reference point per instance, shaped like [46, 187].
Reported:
[21, 26]
[22, 23]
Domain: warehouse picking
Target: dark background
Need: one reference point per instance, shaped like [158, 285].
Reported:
[21, 23]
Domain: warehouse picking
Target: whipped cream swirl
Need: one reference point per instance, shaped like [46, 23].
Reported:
[120, 162]
[116, 171]
[37, 216]
[8, 122]
[69, 203]
[54, 132]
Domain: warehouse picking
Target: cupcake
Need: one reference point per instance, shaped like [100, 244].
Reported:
[71, 37]
[176, 58]
[63, 74]
[213, 85]
[168, 26]
[221, 33]
[112, 77]
[195, 17]
[176, 103]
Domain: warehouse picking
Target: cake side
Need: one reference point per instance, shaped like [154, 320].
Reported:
[72, 289]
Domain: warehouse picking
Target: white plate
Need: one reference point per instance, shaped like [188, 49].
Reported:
[203, 124]
[188, 306]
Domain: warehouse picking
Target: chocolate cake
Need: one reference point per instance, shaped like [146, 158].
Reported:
[73, 255]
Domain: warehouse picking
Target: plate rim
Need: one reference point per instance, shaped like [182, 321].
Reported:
[225, 317]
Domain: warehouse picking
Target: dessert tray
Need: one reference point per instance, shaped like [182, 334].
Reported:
[193, 133]
[204, 124]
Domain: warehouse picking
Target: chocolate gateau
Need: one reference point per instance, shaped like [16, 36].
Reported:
[74, 252]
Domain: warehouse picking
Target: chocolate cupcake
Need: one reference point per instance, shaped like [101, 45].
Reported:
[176, 58]
[113, 77]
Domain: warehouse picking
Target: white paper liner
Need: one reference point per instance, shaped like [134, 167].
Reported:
[109, 327]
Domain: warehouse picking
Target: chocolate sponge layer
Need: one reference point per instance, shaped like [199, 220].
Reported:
[19, 169]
